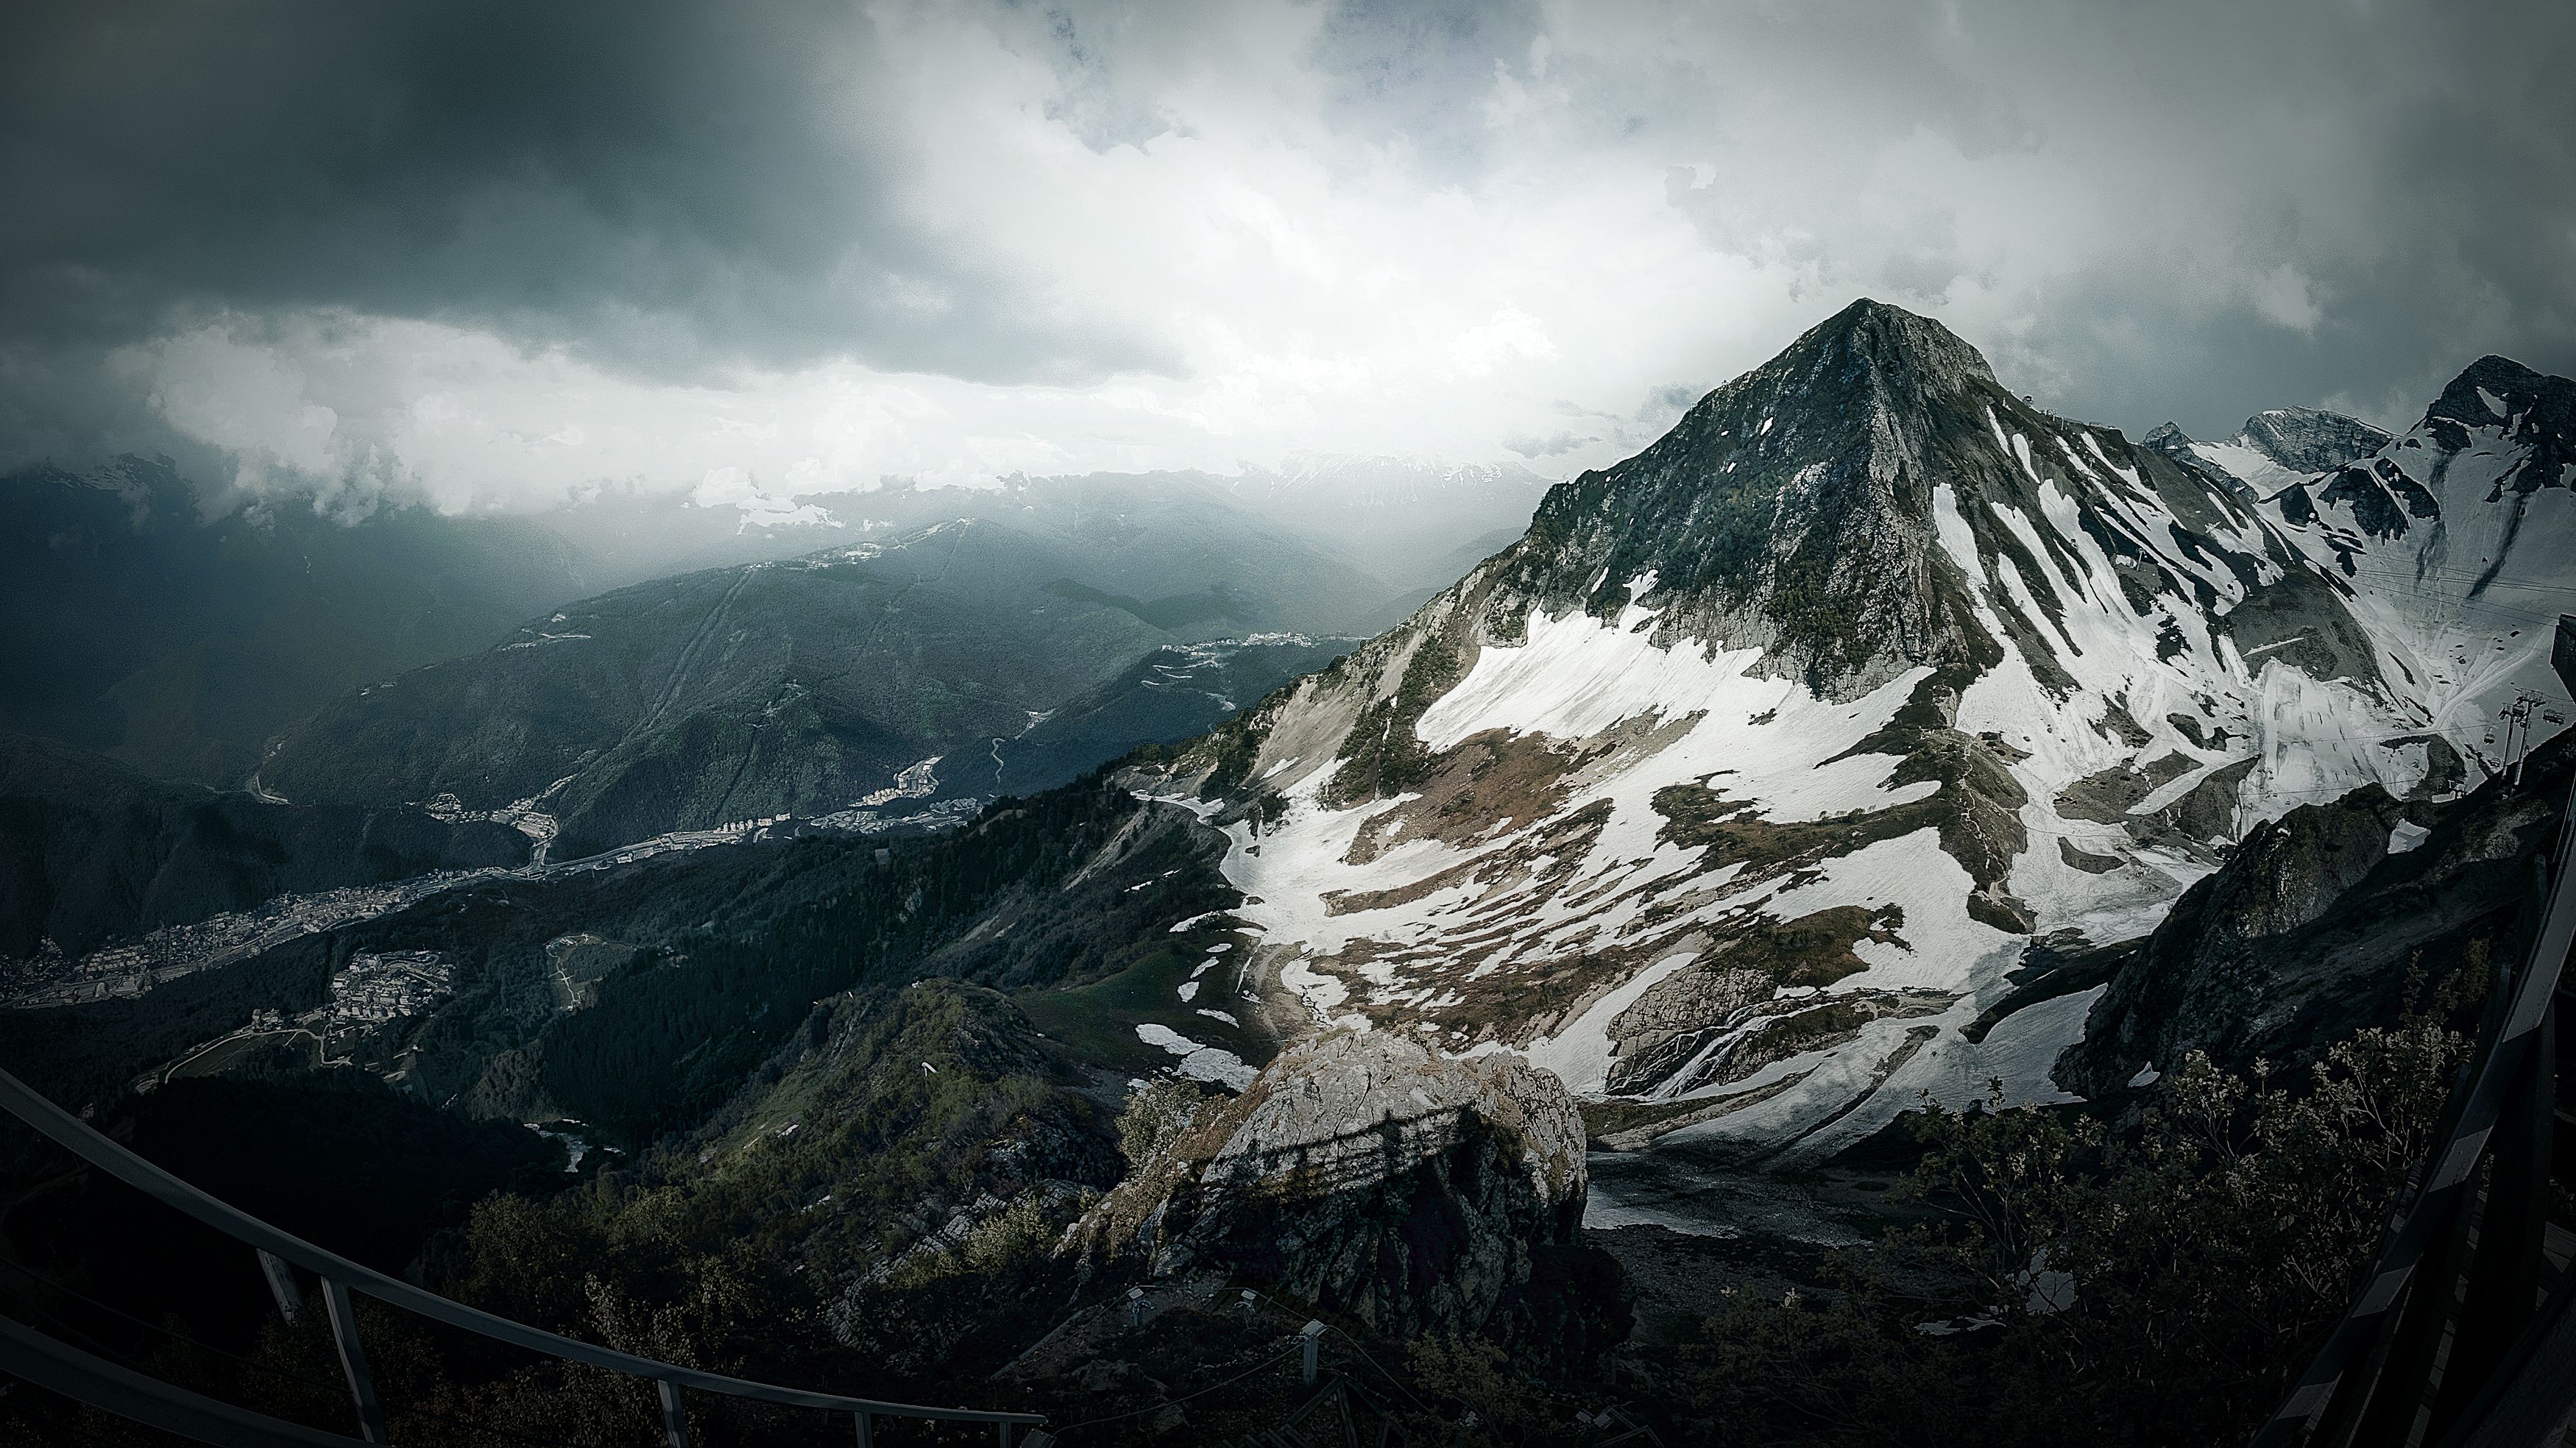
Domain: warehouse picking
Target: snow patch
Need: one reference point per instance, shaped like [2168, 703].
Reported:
[1212, 1064]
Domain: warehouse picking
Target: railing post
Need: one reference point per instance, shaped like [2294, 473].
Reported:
[867, 1429]
[1005, 1426]
[1313, 1333]
[675, 1421]
[281, 1284]
[353, 1360]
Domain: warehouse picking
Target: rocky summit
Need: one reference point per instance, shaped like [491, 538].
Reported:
[1362, 1172]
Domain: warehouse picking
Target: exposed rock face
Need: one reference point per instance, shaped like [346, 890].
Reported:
[2173, 444]
[2311, 440]
[1417, 1193]
[2533, 412]
[2313, 928]
[1819, 552]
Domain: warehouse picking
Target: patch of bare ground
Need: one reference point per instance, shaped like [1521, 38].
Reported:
[1816, 949]
[1496, 778]
[2205, 815]
[2107, 796]
[2202, 817]
[1980, 821]
[1634, 1125]
[2086, 860]
[1533, 868]
[1976, 810]
[1677, 1017]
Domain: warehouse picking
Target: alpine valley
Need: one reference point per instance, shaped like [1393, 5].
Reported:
[1043, 955]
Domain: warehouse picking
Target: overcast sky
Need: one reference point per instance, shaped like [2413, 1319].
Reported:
[495, 255]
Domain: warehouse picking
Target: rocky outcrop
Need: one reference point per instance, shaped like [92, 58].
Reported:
[2318, 923]
[1413, 1192]
[2176, 446]
[2532, 411]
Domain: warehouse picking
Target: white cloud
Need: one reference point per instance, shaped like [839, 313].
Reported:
[1509, 335]
[248, 400]
[2286, 297]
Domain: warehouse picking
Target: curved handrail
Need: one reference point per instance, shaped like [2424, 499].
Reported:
[2450, 1170]
[90, 1145]
[61, 1368]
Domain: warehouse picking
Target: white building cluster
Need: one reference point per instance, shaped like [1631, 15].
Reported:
[380, 988]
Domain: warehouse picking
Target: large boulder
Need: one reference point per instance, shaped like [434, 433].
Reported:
[1414, 1192]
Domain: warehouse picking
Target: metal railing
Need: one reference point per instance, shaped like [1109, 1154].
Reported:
[57, 1367]
[131, 1395]
[2459, 1337]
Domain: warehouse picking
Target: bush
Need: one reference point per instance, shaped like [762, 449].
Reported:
[2159, 1285]
[1155, 1117]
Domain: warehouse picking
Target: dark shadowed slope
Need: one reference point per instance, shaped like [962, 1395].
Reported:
[90, 851]
[179, 646]
[1177, 692]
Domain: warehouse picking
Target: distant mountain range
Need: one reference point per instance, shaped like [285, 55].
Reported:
[798, 687]
[2273, 449]
[186, 647]
[177, 646]
[1743, 787]
[1324, 545]
[1871, 736]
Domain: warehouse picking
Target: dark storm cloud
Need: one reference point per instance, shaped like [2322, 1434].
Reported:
[1269, 227]
[2185, 209]
[1410, 74]
[666, 186]
[2416, 163]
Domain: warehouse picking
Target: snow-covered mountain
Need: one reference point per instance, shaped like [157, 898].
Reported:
[2460, 541]
[1740, 785]
[2273, 448]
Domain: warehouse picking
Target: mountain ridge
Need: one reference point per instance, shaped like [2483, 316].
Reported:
[1743, 781]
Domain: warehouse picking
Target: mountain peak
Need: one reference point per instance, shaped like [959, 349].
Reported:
[2311, 439]
[2533, 411]
[1890, 340]
[1791, 509]
[2493, 390]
